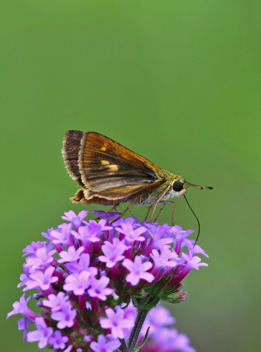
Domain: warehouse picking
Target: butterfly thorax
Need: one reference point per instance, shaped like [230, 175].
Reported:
[163, 192]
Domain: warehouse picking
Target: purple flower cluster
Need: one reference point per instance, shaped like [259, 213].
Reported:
[162, 337]
[88, 273]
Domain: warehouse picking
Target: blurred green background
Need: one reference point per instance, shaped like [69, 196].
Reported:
[177, 82]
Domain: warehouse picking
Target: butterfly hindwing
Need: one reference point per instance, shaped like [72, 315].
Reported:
[71, 148]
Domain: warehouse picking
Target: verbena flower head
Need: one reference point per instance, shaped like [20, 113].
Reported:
[88, 273]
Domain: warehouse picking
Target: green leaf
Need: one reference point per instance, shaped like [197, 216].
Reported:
[143, 341]
[152, 304]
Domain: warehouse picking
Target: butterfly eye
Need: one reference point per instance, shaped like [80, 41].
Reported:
[177, 186]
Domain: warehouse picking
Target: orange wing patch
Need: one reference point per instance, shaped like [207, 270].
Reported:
[104, 164]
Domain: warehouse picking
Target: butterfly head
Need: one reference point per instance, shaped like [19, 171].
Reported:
[179, 187]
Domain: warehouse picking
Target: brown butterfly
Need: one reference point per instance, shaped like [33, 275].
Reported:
[109, 173]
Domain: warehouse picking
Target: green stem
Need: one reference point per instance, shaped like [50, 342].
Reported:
[135, 332]
[123, 347]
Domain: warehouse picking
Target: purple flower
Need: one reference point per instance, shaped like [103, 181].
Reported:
[106, 216]
[182, 343]
[56, 302]
[42, 280]
[21, 307]
[130, 311]
[160, 316]
[23, 324]
[42, 333]
[157, 318]
[103, 346]
[180, 236]
[77, 282]
[162, 338]
[70, 215]
[193, 262]
[57, 340]
[91, 231]
[83, 264]
[137, 270]
[189, 262]
[167, 340]
[157, 232]
[195, 249]
[86, 234]
[85, 295]
[62, 235]
[116, 322]
[32, 248]
[99, 289]
[28, 315]
[24, 277]
[65, 316]
[42, 258]
[131, 234]
[165, 258]
[70, 256]
[76, 220]
[113, 252]
[48, 234]
[124, 221]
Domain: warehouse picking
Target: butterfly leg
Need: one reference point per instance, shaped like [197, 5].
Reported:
[128, 207]
[153, 212]
[172, 212]
[158, 201]
[114, 208]
[148, 213]
[163, 205]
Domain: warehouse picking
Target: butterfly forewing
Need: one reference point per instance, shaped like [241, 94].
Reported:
[104, 164]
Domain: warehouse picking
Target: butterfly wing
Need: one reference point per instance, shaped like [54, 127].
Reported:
[110, 196]
[108, 172]
[106, 164]
[70, 151]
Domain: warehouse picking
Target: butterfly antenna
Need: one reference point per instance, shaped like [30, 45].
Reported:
[196, 219]
[197, 186]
